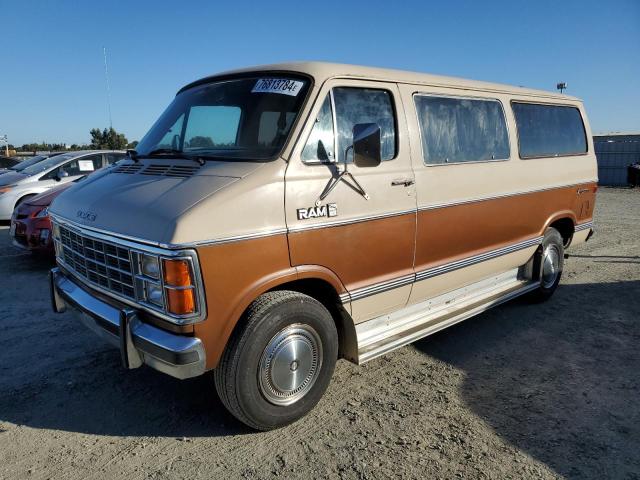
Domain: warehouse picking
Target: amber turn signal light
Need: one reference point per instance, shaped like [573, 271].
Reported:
[177, 273]
[180, 302]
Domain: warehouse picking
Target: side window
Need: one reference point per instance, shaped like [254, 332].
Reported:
[320, 145]
[211, 127]
[77, 166]
[82, 165]
[364, 105]
[549, 130]
[456, 130]
[114, 157]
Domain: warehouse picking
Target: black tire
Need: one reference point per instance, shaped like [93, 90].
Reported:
[240, 376]
[548, 284]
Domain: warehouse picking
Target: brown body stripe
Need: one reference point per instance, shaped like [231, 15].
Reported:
[360, 254]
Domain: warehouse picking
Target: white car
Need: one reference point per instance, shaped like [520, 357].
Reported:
[16, 187]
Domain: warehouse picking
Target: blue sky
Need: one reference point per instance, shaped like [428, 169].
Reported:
[53, 86]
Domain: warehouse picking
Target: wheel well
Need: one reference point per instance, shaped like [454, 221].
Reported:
[566, 228]
[324, 292]
[23, 198]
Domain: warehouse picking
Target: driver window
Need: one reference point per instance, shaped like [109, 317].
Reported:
[364, 105]
[319, 147]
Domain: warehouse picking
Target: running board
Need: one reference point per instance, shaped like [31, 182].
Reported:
[388, 332]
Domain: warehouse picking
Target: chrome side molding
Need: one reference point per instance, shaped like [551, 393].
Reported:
[397, 282]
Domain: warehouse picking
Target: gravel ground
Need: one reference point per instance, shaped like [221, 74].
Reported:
[522, 391]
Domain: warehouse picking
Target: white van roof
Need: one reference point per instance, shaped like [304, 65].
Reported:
[322, 71]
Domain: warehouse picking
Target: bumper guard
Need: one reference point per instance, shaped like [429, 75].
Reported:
[176, 355]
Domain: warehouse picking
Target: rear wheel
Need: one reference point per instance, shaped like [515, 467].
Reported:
[551, 263]
[278, 364]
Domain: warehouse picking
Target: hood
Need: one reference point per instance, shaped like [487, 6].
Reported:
[47, 197]
[10, 177]
[134, 200]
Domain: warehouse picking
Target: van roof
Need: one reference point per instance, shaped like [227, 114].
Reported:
[322, 71]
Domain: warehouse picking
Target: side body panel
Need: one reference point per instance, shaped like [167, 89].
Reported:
[468, 209]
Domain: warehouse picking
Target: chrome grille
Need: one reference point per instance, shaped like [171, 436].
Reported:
[101, 263]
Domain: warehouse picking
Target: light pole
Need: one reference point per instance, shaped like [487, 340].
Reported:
[562, 86]
[5, 139]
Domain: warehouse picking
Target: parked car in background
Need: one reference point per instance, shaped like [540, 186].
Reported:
[16, 187]
[23, 164]
[30, 223]
[8, 162]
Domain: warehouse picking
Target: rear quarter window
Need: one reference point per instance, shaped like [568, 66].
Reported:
[549, 130]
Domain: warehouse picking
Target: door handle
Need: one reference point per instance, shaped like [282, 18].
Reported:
[405, 182]
[583, 190]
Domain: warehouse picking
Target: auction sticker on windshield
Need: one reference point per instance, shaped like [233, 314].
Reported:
[278, 85]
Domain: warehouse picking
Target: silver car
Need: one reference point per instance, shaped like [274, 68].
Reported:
[16, 187]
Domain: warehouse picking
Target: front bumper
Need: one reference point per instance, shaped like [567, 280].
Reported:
[176, 355]
[32, 234]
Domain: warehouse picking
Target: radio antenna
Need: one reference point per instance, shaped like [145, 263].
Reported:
[106, 76]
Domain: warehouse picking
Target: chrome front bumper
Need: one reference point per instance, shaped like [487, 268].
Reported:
[176, 355]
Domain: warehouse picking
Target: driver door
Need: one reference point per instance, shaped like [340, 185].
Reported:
[365, 236]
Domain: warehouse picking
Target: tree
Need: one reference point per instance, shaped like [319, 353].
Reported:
[201, 142]
[107, 139]
[133, 145]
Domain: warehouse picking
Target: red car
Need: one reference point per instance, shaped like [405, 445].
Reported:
[30, 223]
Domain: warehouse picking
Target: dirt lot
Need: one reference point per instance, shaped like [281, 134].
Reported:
[523, 391]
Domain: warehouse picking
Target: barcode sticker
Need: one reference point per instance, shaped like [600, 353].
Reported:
[278, 85]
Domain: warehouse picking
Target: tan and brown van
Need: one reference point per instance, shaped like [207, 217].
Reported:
[277, 218]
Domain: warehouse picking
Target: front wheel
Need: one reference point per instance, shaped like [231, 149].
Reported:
[551, 261]
[279, 362]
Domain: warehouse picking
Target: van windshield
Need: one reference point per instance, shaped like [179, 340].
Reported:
[245, 118]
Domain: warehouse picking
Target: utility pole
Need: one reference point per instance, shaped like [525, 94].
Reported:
[562, 86]
[106, 76]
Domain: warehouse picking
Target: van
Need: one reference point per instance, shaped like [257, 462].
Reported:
[278, 218]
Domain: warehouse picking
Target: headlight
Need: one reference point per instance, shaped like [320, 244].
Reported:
[167, 283]
[150, 266]
[153, 293]
[43, 213]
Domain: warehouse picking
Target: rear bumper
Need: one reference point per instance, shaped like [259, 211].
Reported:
[176, 355]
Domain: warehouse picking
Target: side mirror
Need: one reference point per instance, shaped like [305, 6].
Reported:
[367, 145]
[61, 174]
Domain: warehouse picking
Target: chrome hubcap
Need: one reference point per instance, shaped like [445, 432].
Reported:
[550, 266]
[290, 364]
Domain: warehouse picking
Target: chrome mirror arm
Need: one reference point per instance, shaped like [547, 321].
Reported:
[342, 178]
